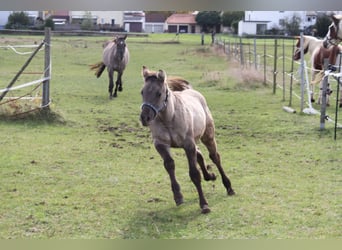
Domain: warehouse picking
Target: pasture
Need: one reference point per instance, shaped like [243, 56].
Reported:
[90, 170]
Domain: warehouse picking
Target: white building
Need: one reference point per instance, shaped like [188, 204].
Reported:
[257, 22]
[101, 17]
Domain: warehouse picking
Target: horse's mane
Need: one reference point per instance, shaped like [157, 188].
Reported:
[178, 84]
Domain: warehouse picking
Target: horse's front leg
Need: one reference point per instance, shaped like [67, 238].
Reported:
[169, 165]
[118, 83]
[195, 176]
[119, 80]
[111, 82]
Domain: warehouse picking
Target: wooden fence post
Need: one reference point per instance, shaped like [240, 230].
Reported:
[47, 70]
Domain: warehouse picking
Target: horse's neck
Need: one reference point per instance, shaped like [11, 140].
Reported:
[167, 114]
[314, 44]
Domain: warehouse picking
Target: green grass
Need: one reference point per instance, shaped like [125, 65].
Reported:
[90, 170]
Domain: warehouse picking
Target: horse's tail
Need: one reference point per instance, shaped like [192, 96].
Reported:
[178, 84]
[99, 67]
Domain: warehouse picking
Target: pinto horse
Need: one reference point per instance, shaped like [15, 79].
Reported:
[115, 58]
[334, 35]
[318, 53]
[178, 117]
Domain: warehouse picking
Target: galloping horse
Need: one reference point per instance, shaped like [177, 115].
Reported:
[318, 53]
[115, 58]
[179, 118]
[334, 35]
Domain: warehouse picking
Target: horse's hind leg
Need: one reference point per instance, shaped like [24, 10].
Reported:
[209, 141]
[169, 165]
[195, 176]
[206, 175]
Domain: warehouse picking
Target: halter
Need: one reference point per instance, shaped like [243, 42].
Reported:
[155, 109]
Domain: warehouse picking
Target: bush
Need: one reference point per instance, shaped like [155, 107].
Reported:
[18, 20]
[49, 23]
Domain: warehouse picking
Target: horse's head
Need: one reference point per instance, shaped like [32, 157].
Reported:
[120, 43]
[297, 54]
[334, 35]
[154, 94]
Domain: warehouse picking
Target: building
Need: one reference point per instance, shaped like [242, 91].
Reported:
[134, 21]
[154, 23]
[182, 23]
[258, 22]
[111, 18]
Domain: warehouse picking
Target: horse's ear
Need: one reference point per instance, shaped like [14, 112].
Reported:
[144, 71]
[161, 75]
[125, 37]
[336, 19]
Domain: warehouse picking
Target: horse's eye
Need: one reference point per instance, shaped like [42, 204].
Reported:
[158, 94]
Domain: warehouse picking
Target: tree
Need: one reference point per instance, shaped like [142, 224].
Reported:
[208, 20]
[49, 23]
[18, 20]
[87, 22]
[291, 25]
[322, 23]
[229, 17]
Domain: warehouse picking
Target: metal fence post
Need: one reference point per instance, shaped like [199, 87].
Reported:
[47, 70]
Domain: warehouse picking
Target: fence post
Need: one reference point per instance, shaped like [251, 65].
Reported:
[275, 65]
[283, 69]
[47, 70]
[241, 52]
[302, 70]
[265, 62]
[324, 95]
[255, 55]
[291, 79]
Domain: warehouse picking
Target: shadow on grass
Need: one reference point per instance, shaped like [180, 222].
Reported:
[169, 223]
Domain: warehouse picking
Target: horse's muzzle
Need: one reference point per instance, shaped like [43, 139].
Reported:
[147, 115]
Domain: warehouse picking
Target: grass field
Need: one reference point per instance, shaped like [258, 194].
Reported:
[90, 170]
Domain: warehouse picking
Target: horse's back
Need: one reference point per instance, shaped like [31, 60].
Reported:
[178, 84]
[196, 106]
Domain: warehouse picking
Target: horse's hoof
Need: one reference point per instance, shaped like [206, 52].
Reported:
[179, 200]
[205, 209]
[230, 192]
[120, 88]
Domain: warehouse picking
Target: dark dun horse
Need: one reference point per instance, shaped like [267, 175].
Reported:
[179, 117]
[115, 58]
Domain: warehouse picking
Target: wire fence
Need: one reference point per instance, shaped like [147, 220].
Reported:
[273, 57]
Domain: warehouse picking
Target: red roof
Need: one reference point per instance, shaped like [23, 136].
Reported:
[154, 18]
[181, 19]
